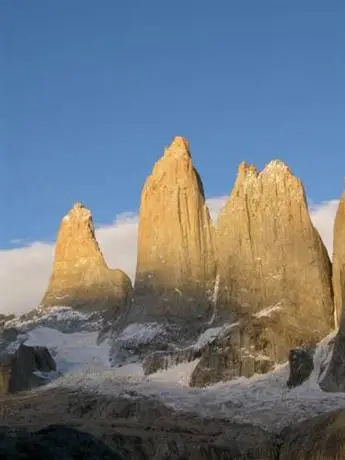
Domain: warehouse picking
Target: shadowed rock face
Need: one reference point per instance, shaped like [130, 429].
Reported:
[339, 260]
[301, 365]
[175, 267]
[270, 257]
[136, 426]
[18, 371]
[322, 437]
[334, 379]
[81, 278]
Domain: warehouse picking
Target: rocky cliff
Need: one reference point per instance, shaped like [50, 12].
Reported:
[81, 278]
[270, 257]
[339, 260]
[272, 287]
[175, 267]
[274, 274]
[334, 379]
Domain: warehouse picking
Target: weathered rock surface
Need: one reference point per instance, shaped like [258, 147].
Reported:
[322, 437]
[253, 345]
[301, 362]
[269, 253]
[175, 266]
[76, 424]
[18, 371]
[140, 427]
[81, 278]
[274, 273]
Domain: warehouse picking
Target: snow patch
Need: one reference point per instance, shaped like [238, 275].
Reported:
[72, 352]
[212, 333]
[180, 374]
[62, 318]
[138, 333]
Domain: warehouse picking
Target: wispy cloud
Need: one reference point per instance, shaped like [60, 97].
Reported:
[25, 271]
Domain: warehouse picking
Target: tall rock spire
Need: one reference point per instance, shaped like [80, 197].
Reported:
[334, 378]
[269, 254]
[338, 260]
[81, 277]
[175, 266]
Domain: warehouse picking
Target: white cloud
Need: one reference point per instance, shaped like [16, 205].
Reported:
[25, 271]
[323, 215]
[215, 205]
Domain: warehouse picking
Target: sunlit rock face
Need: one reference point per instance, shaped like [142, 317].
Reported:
[81, 278]
[175, 267]
[270, 256]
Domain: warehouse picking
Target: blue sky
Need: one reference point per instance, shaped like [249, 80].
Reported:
[91, 93]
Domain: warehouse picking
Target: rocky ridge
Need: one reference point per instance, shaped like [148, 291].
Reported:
[258, 282]
[272, 287]
[274, 273]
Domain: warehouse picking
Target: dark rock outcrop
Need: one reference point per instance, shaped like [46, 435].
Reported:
[25, 369]
[55, 442]
[81, 278]
[74, 424]
[5, 318]
[141, 427]
[322, 437]
[175, 267]
[301, 362]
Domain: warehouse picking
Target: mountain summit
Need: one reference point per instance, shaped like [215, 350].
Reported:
[81, 278]
[269, 253]
[175, 266]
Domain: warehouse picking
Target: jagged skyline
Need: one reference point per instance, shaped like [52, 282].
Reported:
[91, 94]
[30, 265]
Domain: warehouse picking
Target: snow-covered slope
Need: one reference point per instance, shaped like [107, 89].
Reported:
[262, 399]
[63, 319]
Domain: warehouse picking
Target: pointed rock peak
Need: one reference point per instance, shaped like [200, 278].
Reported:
[246, 170]
[80, 276]
[275, 171]
[78, 212]
[277, 167]
[78, 206]
[178, 147]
